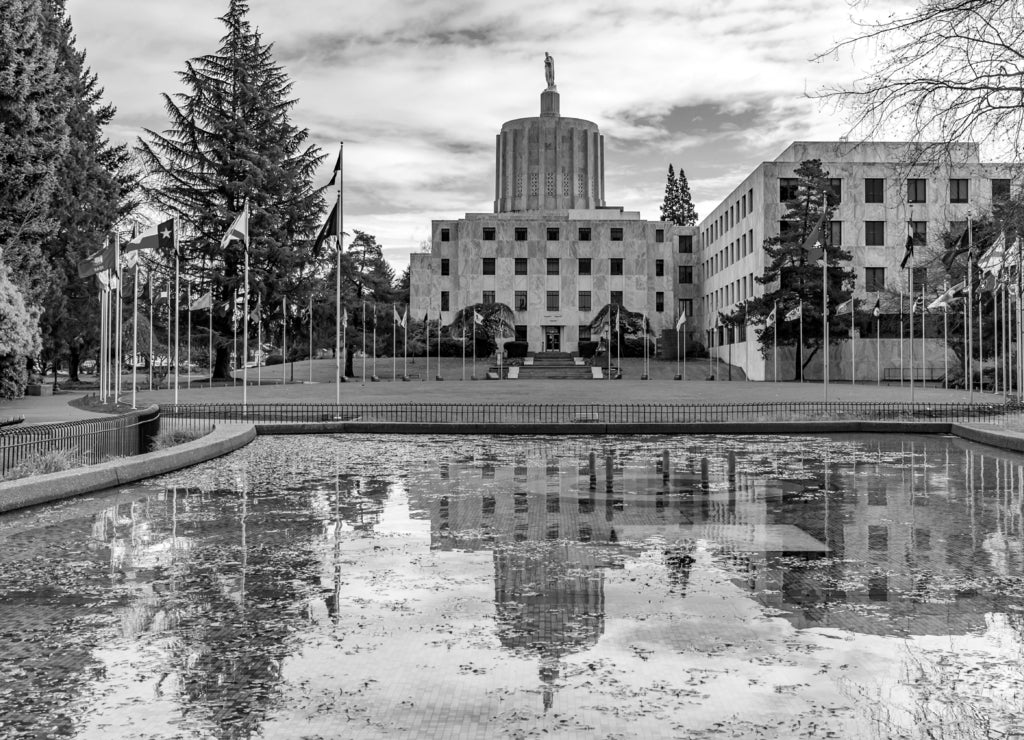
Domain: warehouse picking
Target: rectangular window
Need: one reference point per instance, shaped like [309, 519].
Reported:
[584, 265]
[659, 235]
[584, 234]
[874, 279]
[489, 233]
[835, 194]
[488, 297]
[1000, 190]
[616, 267]
[958, 190]
[874, 190]
[616, 234]
[878, 537]
[521, 300]
[686, 306]
[446, 266]
[685, 244]
[835, 236]
[584, 330]
[920, 275]
[521, 265]
[685, 274]
[520, 332]
[659, 268]
[659, 302]
[584, 300]
[920, 230]
[446, 235]
[616, 297]
[552, 233]
[917, 190]
[552, 300]
[552, 265]
[874, 233]
[488, 265]
[444, 300]
[787, 188]
[520, 234]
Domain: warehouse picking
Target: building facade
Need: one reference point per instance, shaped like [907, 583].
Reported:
[879, 200]
[552, 250]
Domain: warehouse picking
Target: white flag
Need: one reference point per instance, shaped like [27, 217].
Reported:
[239, 228]
[795, 312]
[845, 307]
[770, 321]
[682, 320]
[399, 319]
[477, 318]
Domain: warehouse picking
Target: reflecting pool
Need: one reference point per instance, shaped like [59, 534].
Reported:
[350, 587]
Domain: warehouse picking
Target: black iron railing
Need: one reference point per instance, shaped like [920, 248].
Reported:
[87, 441]
[202, 416]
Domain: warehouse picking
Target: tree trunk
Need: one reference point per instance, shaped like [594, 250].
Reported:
[222, 369]
[74, 360]
[349, 372]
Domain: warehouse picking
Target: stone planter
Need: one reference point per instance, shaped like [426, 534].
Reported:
[39, 389]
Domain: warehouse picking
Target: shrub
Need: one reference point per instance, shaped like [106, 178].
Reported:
[587, 349]
[516, 349]
[172, 437]
[273, 360]
[48, 462]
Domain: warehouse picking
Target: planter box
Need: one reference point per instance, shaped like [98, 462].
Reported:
[39, 389]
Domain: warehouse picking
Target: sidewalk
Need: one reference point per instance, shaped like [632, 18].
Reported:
[47, 409]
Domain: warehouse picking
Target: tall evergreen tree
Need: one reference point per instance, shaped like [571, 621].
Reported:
[96, 184]
[684, 201]
[230, 138]
[791, 274]
[33, 140]
[670, 203]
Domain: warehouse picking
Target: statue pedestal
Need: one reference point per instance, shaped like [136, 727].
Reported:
[549, 104]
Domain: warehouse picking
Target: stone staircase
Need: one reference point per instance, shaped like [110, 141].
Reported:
[554, 366]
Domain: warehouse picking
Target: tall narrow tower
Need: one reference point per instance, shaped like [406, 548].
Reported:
[548, 163]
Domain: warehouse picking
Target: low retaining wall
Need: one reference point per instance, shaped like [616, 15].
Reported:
[16, 494]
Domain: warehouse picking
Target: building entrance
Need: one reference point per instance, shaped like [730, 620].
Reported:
[552, 339]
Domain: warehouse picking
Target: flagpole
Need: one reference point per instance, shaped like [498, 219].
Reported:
[910, 270]
[824, 313]
[188, 354]
[878, 349]
[168, 332]
[463, 351]
[344, 345]
[337, 291]
[853, 343]
[151, 352]
[684, 354]
[981, 345]
[968, 311]
[439, 376]
[311, 339]
[678, 375]
[364, 343]
[426, 327]
[923, 332]
[473, 376]
[394, 344]
[609, 344]
[209, 336]
[405, 345]
[1006, 345]
[775, 341]
[245, 323]
[373, 362]
[945, 340]
[234, 337]
[801, 340]
[259, 345]
[284, 340]
[102, 367]
[135, 330]
[117, 323]
[1018, 314]
[177, 306]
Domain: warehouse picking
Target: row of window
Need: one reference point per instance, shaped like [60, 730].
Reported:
[917, 189]
[730, 217]
[734, 250]
[584, 304]
[583, 234]
[584, 266]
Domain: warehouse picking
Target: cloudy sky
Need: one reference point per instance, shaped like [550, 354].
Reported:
[417, 89]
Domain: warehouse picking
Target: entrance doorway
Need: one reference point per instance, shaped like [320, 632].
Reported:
[552, 339]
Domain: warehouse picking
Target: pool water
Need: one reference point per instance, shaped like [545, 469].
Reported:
[464, 587]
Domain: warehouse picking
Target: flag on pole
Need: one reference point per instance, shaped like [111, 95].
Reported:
[845, 307]
[770, 321]
[239, 228]
[909, 246]
[203, 301]
[951, 296]
[477, 318]
[399, 319]
[100, 261]
[138, 242]
[330, 228]
[337, 170]
[165, 236]
[344, 317]
[958, 247]
[877, 310]
[991, 262]
[812, 244]
[794, 313]
[682, 320]
[105, 279]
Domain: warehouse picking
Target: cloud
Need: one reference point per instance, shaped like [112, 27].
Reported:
[418, 89]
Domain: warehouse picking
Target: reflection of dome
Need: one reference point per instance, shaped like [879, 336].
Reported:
[549, 598]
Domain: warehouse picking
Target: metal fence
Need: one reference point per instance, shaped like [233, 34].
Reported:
[86, 442]
[202, 416]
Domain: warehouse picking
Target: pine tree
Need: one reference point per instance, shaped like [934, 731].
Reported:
[792, 275]
[95, 184]
[33, 140]
[230, 138]
[670, 203]
[687, 213]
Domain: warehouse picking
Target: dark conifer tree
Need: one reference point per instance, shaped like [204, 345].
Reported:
[670, 203]
[792, 274]
[684, 201]
[230, 137]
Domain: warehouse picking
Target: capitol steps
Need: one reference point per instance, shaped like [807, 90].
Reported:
[554, 366]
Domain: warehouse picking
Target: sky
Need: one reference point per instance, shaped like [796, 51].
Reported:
[418, 89]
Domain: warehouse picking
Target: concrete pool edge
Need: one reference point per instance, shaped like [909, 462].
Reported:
[40, 489]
